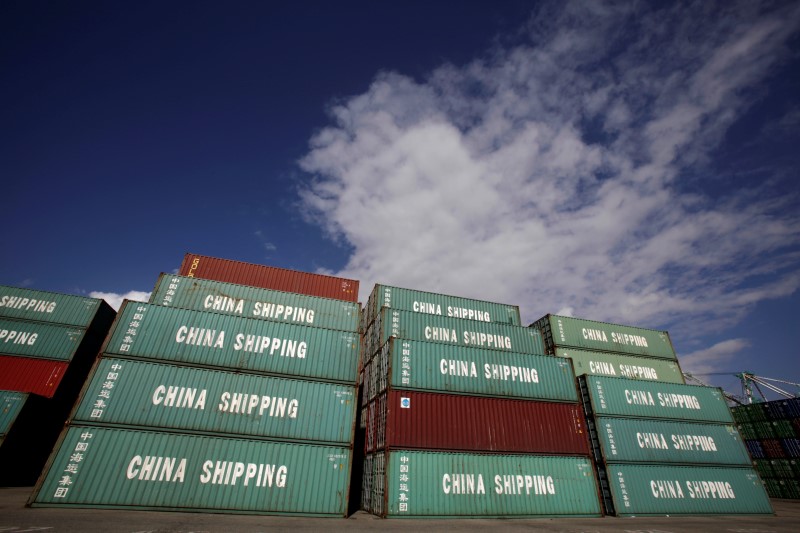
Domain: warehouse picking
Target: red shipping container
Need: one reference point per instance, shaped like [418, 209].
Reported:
[266, 277]
[434, 421]
[27, 374]
[773, 448]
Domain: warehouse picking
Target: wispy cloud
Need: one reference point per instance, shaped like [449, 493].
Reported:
[115, 300]
[549, 174]
[713, 359]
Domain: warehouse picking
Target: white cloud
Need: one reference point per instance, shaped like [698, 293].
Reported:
[115, 300]
[712, 359]
[549, 175]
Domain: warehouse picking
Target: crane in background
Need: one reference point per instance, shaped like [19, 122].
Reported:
[749, 382]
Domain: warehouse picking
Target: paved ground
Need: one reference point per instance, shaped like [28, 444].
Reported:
[16, 518]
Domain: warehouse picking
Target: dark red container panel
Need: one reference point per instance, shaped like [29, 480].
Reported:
[433, 421]
[26, 374]
[773, 448]
[266, 277]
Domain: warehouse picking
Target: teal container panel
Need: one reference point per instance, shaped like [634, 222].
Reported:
[252, 302]
[11, 403]
[121, 468]
[440, 484]
[662, 441]
[224, 341]
[428, 366]
[137, 393]
[455, 332]
[38, 339]
[562, 331]
[45, 306]
[647, 399]
[440, 305]
[686, 490]
[615, 365]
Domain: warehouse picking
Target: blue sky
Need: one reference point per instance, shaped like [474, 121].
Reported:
[613, 161]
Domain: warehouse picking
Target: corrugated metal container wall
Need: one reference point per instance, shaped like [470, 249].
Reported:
[675, 490]
[37, 376]
[214, 340]
[591, 335]
[647, 399]
[622, 366]
[421, 420]
[452, 331]
[426, 484]
[37, 339]
[439, 304]
[45, 306]
[266, 277]
[136, 393]
[428, 366]
[659, 441]
[11, 403]
[118, 468]
[251, 302]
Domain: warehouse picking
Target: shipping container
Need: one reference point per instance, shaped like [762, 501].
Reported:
[791, 447]
[754, 449]
[622, 366]
[366, 484]
[428, 366]
[646, 399]
[39, 339]
[146, 331]
[438, 304]
[562, 331]
[25, 374]
[45, 306]
[432, 421]
[142, 394]
[251, 302]
[102, 467]
[660, 441]
[267, 277]
[11, 403]
[642, 490]
[459, 485]
[450, 331]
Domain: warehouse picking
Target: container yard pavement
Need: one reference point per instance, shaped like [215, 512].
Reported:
[16, 518]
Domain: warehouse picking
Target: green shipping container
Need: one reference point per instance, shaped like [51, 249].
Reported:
[141, 394]
[45, 306]
[660, 441]
[452, 331]
[40, 340]
[223, 341]
[562, 331]
[121, 468]
[252, 302]
[427, 366]
[460, 485]
[11, 403]
[646, 399]
[641, 490]
[622, 366]
[438, 304]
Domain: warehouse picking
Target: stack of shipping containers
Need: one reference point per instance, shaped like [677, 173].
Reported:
[772, 435]
[661, 447]
[48, 342]
[465, 416]
[236, 395]
[621, 351]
